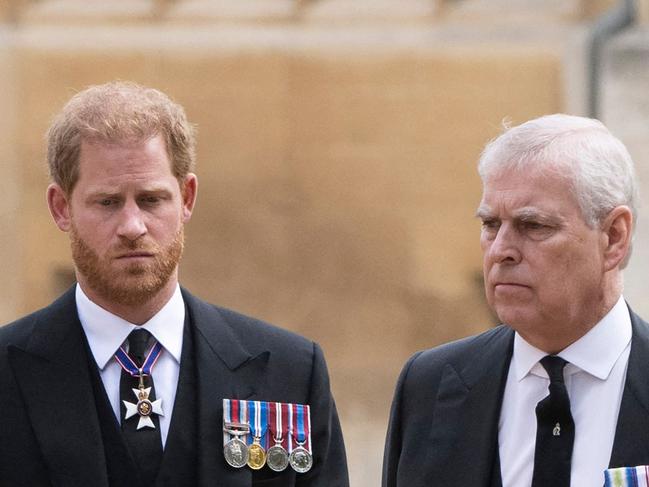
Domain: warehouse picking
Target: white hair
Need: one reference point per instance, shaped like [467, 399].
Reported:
[595, 163]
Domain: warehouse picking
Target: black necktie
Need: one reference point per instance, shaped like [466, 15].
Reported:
[555, 430]
[144, 444]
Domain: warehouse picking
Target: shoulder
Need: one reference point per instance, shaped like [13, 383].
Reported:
[247, 329]
[19, 331]
[427, 366]
[639, 325]
[51, 322]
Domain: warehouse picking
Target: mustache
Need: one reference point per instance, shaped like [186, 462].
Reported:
[139, 245]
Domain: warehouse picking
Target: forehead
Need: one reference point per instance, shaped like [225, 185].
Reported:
[128, 157]
[515, 191]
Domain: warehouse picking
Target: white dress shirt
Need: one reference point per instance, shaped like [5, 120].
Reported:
[106, 333]
[594, 379]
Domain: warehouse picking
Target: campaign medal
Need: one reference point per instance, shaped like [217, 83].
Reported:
[259, 415]
[144, 407]
[300, 458]
[276, 456]
[235, 450]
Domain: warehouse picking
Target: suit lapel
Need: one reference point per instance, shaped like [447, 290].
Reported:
[630, 446]
[467, 413]
[224, 369]
[53, 376]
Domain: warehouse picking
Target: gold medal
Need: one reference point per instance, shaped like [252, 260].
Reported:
[256, 455]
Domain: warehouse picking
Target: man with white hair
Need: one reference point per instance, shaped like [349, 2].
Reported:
[559, 393]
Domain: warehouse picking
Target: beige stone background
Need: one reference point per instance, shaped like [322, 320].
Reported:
[337, 149]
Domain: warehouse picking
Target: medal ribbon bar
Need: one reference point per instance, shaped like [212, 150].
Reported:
[276, 426]
[627, 476]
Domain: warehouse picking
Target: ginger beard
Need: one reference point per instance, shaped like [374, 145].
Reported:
[129, 285]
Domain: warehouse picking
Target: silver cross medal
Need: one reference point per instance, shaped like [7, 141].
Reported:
[144, 406]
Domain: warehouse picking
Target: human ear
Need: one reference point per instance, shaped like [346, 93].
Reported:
[188, 190]
[617, 228]
[57, 202]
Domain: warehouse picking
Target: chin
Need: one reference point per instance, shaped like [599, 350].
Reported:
[515, 317]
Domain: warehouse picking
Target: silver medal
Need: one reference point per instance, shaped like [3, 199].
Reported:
[277, 458]
[301, 460]
[236, 453]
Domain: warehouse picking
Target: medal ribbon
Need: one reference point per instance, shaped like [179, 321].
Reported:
[259, 416]
[307, 429]
[301, 417]
[263, 422]
[627, 476]
[299, 410]
[275, 418]
[131, 367]
[226, 419]
[291, 439]
[242, 407]
[284, 413]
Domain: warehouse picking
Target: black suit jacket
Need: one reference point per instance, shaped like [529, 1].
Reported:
[49, 429]
[444, 421]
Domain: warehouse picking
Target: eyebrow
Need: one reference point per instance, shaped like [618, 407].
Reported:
[483, 212]
[107, 193]
[527, 214]
[522, 214]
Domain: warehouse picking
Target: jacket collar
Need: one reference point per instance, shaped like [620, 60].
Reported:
[630, 447]
[53, 376]
[470, 394]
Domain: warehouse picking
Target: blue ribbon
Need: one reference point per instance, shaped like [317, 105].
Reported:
[131, 367]
[301, 436]
[259, 430]
[264, 421]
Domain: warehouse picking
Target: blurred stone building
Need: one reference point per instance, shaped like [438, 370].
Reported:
[337, 148]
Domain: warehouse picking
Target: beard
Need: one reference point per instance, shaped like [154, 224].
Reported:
[129, 285]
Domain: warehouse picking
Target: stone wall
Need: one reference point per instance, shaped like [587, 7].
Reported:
[625, 109]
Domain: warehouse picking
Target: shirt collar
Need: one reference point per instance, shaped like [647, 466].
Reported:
[595, 353]
[106, 332]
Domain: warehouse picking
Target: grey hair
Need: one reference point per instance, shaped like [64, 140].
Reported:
[595, 163]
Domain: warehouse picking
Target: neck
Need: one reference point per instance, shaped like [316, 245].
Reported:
[557, 337]
[139, 313]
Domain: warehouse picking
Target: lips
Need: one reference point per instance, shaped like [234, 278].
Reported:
[509, 284]
[509, 288]
[134, 255]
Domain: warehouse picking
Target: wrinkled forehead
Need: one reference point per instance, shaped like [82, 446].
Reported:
[522, 191]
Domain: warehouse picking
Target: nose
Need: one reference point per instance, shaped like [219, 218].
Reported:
[504, 248]
[132, 225]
